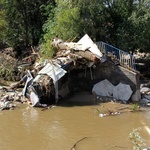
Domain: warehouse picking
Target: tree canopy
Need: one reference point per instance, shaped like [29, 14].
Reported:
[122, 23]
[3, 23]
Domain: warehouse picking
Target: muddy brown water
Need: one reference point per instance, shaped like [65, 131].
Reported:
[74, 123]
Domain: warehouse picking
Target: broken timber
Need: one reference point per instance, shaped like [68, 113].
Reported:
[71, 56]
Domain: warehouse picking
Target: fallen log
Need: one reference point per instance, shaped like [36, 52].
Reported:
[59, 44]
[87, 55]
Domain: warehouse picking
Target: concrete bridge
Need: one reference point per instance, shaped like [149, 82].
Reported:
[125, 72]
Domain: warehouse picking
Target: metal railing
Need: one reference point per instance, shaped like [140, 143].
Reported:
[123, 57]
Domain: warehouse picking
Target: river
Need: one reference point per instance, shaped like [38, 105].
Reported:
[73, 123]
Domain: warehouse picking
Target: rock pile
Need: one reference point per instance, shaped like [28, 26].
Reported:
[121, 92]
[145, 93]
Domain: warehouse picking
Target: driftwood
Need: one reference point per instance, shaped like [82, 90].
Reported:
[59, 44]
[65, 46]
[87, 55]
[74, 146]
[35, 53]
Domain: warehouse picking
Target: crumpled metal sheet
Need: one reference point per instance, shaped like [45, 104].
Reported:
[53, 71]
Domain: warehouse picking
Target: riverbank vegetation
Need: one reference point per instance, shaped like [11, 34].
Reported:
[124, 24]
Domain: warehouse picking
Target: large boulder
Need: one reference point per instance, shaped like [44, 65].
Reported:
[103, 88]
[122, 92]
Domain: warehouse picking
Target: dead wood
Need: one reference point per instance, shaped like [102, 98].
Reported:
[33, 52]
[87, 55]
[59, 44]
[74, 146]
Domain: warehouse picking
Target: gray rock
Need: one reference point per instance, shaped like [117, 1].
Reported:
[103, 88]
[144, 100]
[122, 92]
[147, 96]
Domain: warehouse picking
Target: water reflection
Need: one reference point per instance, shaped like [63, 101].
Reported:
[55, 130]
[29, 117]
[148, 115]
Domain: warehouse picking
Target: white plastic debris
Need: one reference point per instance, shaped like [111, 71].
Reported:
[102, 115]
[144, 90]
[87, 43]
[34, 98]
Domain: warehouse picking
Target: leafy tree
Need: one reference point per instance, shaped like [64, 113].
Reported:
[25, 20]
[119, 22]
[117, 13]
[70, 19]
[140, 20]
[129, 24]
[92, 17]
[3, 23]
[63, 22]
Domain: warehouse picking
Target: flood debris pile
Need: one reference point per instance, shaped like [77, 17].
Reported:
[46, 82]
[78, 55]
[9, 98]
[143, 63]
[42, 85]
[145, 93]
[113, 109]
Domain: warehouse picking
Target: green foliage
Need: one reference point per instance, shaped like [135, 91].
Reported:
[133, 33]
[3, 23]
[64, 22]
[25, 20]
[122, 23]
[136, 107]
[70, 19]
[68, 23]
[92, 18]
[8, 69]
[140, 20]
[47, 50]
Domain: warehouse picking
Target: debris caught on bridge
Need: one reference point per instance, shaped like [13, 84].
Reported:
[51, 80]
[145, 92]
